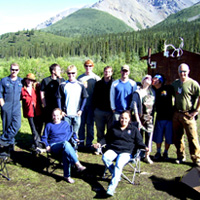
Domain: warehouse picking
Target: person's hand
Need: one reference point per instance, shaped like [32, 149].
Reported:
[193, 114]
[79, 113]
[48, 149]
[2, 102]
[147, 149]
[97, 145]
[64, 114]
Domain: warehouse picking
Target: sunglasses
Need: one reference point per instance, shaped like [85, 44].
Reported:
[180, 71]
[71, 73]
[88, 65]
[15, 70]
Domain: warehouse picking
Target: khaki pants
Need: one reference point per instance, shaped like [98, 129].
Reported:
[182, 121]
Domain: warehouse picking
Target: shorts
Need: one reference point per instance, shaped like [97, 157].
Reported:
[163, 128]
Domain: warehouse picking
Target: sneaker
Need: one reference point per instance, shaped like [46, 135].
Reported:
[148, 160]
[69, 180]
[157, 156]
[165, 156]
[40, 151]
[180, 160]
[96, 153]
[110, 192]
[81, 168]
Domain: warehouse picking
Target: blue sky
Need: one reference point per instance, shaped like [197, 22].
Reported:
[26, 14]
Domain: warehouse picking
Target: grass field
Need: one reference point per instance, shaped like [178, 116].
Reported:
[29, 179]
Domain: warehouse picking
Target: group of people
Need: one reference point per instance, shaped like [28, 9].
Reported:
[70, 107]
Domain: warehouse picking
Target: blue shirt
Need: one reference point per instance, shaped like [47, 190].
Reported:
[54, 133]
[121, 94]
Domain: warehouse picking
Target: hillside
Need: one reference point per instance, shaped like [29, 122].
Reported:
[29, 43]
[38, 44]
[80, 24]
[186, 15]
[141, 14]
[138, 14]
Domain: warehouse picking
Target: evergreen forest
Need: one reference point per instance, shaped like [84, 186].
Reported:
[34, 44]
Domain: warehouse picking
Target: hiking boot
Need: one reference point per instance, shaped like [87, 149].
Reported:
[180, 160]
[157, 156]
[165, 156]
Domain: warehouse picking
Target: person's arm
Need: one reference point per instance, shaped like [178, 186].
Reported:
[45, 135]
[2, 102]
[196, 111]
[139, 140]
[84, 96]
[58, 97]
[1, 94]
[79, 113]
[42, 96]
[135, 105]
[112, 97]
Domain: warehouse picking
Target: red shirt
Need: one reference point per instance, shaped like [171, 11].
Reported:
[29, 102]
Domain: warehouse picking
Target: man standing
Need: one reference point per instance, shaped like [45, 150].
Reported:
[187, 104]
[10, 90]
[121, 92]
[71, 98]
[164, 110]
[103, 113]
[49, 87]
[88, 79]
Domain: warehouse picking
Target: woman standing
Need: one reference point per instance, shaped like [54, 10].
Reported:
[142, 106]
[32, 107]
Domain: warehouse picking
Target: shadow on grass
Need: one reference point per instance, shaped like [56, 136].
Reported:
[24, 141]
[175, 188]
[173, 161]
[24, 157]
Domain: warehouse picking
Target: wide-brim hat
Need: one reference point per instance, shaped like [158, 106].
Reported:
[30, 76]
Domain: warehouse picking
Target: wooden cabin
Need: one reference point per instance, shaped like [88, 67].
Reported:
[168, 66]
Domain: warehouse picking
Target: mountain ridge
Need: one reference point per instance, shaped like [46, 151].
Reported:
[138, 14]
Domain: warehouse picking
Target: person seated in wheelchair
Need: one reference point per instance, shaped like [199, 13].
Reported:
[121, 140]
[56, 137]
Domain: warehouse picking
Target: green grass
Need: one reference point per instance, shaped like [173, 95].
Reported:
[29, 179]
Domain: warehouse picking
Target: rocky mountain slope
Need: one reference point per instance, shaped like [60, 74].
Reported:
[139, 14]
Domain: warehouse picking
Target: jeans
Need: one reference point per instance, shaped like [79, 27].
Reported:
[102, 119]
[74, 121]
[11, 120]
[68, 155]
[87, 118]
[121, 160]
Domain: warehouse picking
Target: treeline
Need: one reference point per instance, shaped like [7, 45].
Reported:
[106, 46]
